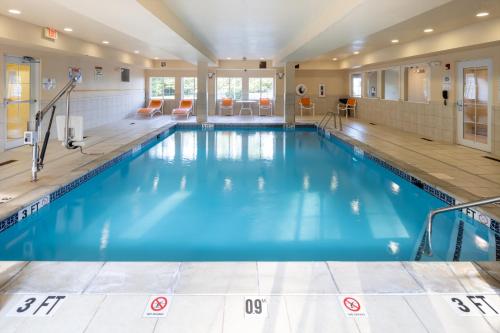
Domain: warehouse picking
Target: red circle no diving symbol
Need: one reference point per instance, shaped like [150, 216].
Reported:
[159, 303]
[351, 304]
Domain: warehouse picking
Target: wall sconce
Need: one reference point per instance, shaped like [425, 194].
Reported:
[210, 75]
[281, 75]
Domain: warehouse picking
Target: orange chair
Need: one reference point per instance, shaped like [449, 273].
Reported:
[226, 104]
[155, 106]
[265, 105]
[306, 104]
[185, 108]
[350, 105]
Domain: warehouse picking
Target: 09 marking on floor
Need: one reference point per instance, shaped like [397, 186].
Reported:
[157, 306]
[474, 305]
[255, 307]
[353, 306]
[37, 306]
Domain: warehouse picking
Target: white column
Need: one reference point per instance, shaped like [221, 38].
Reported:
[202, 95]
[289, 94]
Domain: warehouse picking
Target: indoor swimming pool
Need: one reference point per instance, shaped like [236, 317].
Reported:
[260, 194]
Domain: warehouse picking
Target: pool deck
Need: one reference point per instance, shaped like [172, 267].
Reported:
[209, 297]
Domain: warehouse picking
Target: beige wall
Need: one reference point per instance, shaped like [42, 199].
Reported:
[433, 120]
[336, 87]
[99, 101]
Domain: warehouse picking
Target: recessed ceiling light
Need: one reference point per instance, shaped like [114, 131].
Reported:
[136, 51]
[228, 58]
[15, 11]
[356, 52]
[68, 29]
[428, 30]
[482, 14]
[334, 59]
[261, 58]
[156, 58]
[395, 41]
[105, 42]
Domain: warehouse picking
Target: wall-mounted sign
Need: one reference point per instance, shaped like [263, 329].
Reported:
[50, 33]
[322, 90]
[48, 83]
[75, 72]
[98, 73]
[301, 89]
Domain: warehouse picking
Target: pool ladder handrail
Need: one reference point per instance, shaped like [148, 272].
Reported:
[433, 213]
[326, 119]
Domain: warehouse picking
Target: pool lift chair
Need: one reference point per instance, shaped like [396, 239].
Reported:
[32, 137]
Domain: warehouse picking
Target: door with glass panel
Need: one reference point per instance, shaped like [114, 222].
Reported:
[474, 94]
[20, 100]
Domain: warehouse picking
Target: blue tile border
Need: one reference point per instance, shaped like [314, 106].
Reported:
[14, 218]
[446, 198]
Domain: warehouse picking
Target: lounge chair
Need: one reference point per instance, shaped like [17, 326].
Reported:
[306, 104]
[349, 105]
[154, 107]
[226, 104]
[265, 105]
[185, 108]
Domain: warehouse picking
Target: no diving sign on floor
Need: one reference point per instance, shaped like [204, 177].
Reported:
[353, 306]
[157, 306]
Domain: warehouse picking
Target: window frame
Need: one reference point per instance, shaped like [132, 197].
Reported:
[269, 95]
[195, 96]
[407, 83]
[351, 85]
[230, 78]
[169, 97]
[366, 87]
[382, 78]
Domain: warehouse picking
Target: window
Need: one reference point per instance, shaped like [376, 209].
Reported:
[260, 87]
[189, 87]
[229, 87]
[356, 85]
[417, 83]
[371, 84]
[390, 79]
[162, 87]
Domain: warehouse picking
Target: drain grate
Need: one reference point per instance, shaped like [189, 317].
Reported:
[492, 158]
[426, 139]
[7, 162]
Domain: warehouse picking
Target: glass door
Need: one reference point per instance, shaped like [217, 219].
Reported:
[474, 104]
[20, 98]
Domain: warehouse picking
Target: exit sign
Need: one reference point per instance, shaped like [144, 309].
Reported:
[50, 33]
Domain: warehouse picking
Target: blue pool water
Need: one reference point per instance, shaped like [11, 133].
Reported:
[248, 194]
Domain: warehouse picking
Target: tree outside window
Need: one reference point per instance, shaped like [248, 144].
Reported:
[189, 87]
[229, 87]
[162, 87]
[260, 87]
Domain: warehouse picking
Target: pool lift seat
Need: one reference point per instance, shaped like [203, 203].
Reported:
[32, 137]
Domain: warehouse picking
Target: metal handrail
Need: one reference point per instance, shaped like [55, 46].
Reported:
[433, 213]
[326, 119]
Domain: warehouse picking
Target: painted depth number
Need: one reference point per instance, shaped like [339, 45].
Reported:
[255, 307]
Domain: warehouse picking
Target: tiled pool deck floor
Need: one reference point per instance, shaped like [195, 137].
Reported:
[209, 297]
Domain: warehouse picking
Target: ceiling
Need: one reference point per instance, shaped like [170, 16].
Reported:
[458, 13]
[279, 30]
